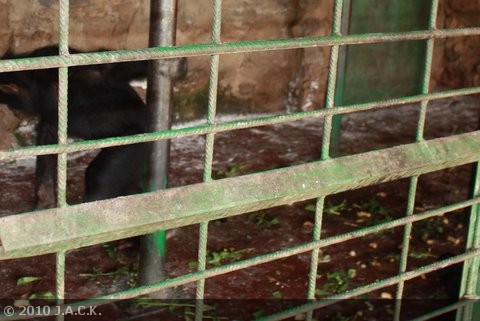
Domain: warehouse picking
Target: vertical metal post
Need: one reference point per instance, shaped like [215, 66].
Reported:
[432, 25]
[328, 132]
[208, 161]
[64, 13]
[470, 287]
[335, 132]
[159, 101]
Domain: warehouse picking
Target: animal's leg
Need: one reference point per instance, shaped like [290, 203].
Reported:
[46, 170]
[116, 171]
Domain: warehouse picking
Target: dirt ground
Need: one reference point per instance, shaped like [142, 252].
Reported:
[107, 268]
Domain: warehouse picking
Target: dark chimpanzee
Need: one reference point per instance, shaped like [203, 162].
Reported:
[101, 104]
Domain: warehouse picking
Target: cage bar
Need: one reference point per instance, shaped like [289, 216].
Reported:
[160, 109]
[325, 154]
[441, 311]
[414, 180]
[469, 287]
[209, 145]
[92, 223]
[368, 288]
[317, 231]
[209, 49]
[227, 126]
[246, 263]
[63, 43]
[297, 250]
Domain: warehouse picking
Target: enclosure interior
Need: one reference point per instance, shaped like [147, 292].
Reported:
[359, 184]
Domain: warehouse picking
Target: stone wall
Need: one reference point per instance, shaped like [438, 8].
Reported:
[457, 60]
[299, 75]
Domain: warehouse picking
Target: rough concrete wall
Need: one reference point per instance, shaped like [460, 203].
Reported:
[114, 24]
[276, 80]
[268, 81]
[93, 24]
[457, 60]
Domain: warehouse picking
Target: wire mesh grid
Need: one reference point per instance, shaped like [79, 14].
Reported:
[215, 49]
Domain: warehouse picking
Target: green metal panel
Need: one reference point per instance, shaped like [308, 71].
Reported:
[384, 70]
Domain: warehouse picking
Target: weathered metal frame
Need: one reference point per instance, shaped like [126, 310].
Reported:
[91, 223]
[69, 227]
[209, 49]
[228, 126]
[162, 32]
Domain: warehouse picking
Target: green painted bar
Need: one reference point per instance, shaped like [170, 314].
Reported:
[91, 223]
[403, 262]
[402, 277]
[325, 152]
[227, 126]
[116, 56]
[414, 77]
[317, 231]
[109, 298]
[269, 257]
[470, 283]
[208, 160]
[334, 124]
[443, 310]
[184, 279]
[60, 266]
[62, 136]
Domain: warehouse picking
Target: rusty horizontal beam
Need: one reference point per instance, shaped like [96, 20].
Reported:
[80, 225]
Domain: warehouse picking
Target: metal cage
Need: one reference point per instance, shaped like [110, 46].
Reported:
[69, 227]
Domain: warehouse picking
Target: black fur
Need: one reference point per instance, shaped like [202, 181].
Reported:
[101, 104]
